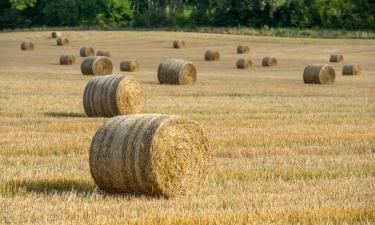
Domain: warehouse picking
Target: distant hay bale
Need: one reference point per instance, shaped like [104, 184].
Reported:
[62, 41]
[86, 52]
[151, 154]
[319, 74]
[112, 95]
[242, 49]
[27, 45]
[130, 65]
[56, 34]
[336, 58]
[212, 55]
[177, 71]
[351, 69]
[67, 59]
[100, 65]
[179, 44]
[103, 53]
[269, 61]
[244, 64]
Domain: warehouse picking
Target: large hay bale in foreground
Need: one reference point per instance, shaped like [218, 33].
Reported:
[130, 65]
[177, 71]
[152, 154]
[351, 69]
[67, 59]
[62, 41]
[244, 64]
[86, 52]
[27, 45]
[179, 44]
[242, 49]
[336, 58]
[56, 34]
[100, 65]
[103, 53]
[112, 95]
[319, 74]
[269, 61]
[212, 55]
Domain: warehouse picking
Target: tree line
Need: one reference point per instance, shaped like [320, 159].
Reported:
[335, 14]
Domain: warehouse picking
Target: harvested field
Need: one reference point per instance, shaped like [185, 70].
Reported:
[284, 152]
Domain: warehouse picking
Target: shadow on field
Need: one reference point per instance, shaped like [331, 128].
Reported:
[64, 114]
[47, 186]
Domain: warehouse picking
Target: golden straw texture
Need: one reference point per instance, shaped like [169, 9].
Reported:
[212, 55]
[336, 58]
[130, 65]
[319, 74]
[67, 59]
[62, 41]
[242, 49]
[152, 154]
[244, 64]
[27, 45]
[113, 95]
[351, 69]
[100, 65]
[177, 71]
[179, 44]
[269, 61]
[86, 52]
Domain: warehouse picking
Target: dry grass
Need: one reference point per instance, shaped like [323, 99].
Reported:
[284, 152]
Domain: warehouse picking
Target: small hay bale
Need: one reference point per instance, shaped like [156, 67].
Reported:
[319, 74]
[130, 65]
[100, 65]
[336, 58]
[112, 95]
[242, 49]
[269, 61]
[67, 59]
[351, 69]
[177, 71]
[86, 52]
[179, 44]
[212, 55]
[62, 41]
[244, 64]
[151, 154]
[103, 53]
[27, 45]
[56, 34]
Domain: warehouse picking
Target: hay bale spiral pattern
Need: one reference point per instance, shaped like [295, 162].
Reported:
[212, 55]
[67, 59]
[27, 45]
[244, 64]
[152, 154]
[103, 53]
[319, 74]
[242, 49]
[56, 34]
[130, 65]
[336, 58]
[179, 44]
[62, 41]
[86, 52]
[112, 95]
[351, 69]
[97, 66]
[269, 61]
[177, 71]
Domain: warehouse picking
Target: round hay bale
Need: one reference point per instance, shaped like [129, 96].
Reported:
[100, 65]
[179, 44]
[130, 65]
[177, 71]
[319, 74]
[351, 69]
[62, 41]
[212, 55]
[27, 45]
[103, 53]
[151, 154]
[86, 52]
[244, 64]
[56, 34]
[112, 95]
[269, 61]
[67, 59]
[242, 49]
[336, 58]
